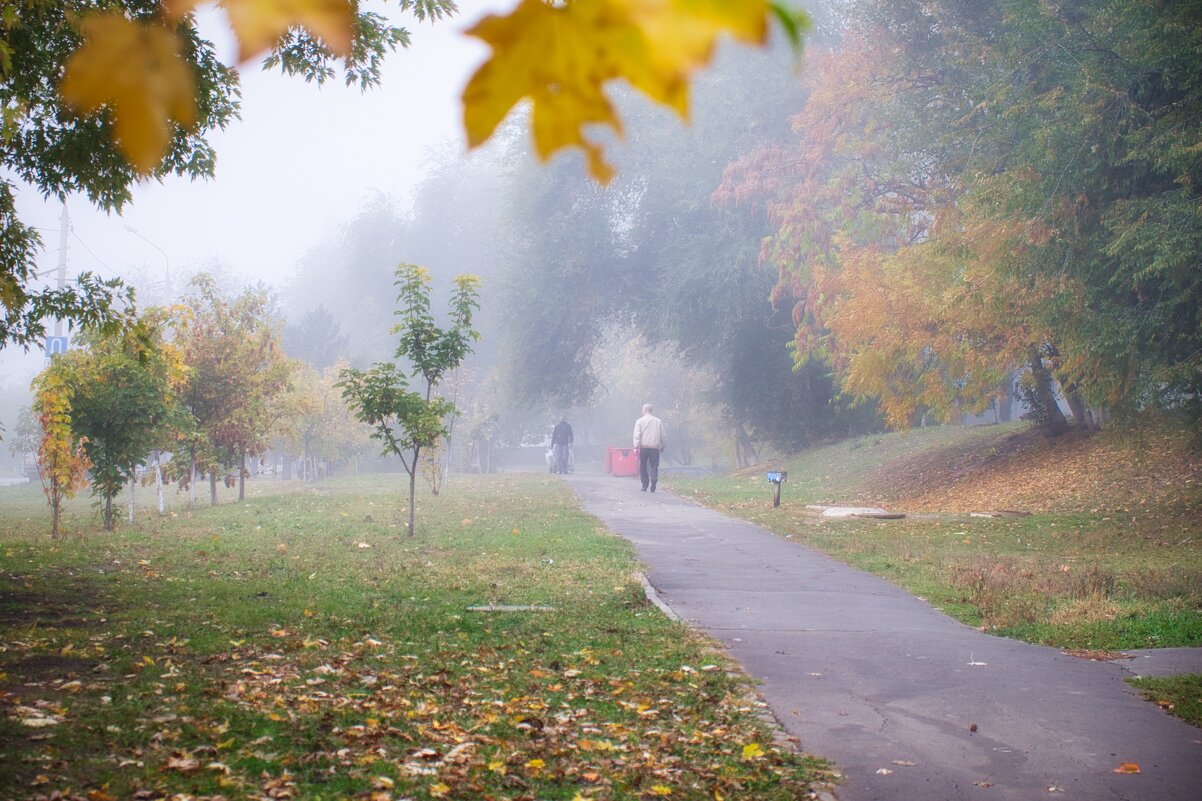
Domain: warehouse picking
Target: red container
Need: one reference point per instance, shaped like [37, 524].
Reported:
[621, 461]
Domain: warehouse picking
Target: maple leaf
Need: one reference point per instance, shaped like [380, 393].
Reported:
[561, 56]
[136, 69]
[259, 24]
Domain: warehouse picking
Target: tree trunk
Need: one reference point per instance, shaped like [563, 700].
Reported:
[56, 508]
[1005, 400]
[158, 481]
[242, 478]
[1076, 405]
[133, 483]
[108, 513]
[1044, 395]
[745, 454]
[412, 494]
[192, 484]
[213, 487]
[287, 471]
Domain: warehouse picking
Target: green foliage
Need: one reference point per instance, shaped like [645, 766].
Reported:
[316, 339]
[431, 350]
[401, 419]
[56, 153]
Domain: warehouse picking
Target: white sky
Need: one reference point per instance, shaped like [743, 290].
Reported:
[295, 167]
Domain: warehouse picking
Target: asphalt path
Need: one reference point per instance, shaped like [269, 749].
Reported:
[909, 704]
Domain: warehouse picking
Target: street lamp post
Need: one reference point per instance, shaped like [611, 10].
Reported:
[158, 468]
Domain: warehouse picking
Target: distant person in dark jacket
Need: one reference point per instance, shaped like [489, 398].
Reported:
[650, 439]
[561, 441]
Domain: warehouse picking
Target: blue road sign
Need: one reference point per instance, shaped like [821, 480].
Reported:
[55, 345]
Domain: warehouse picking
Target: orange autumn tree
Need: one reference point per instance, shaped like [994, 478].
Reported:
[905, 284]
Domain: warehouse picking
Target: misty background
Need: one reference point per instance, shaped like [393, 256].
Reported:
[594, 299]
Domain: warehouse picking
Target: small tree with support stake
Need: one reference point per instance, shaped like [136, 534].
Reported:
[405, 421]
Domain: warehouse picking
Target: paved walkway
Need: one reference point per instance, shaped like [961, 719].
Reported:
[909, 704]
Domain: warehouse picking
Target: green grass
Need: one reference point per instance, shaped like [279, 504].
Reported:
[301, 645]
[1094, 580]
[1178, 695]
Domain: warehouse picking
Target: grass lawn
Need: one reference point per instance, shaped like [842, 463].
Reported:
[1116, 565]
[300, 645]
[1180, 695]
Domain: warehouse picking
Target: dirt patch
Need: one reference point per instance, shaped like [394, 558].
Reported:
[22, 608]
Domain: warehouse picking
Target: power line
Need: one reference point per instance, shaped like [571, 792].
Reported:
[99, 261]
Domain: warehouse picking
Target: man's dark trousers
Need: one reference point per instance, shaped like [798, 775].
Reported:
[649, 467]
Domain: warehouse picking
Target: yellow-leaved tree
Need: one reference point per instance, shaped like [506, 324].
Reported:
[62, 463]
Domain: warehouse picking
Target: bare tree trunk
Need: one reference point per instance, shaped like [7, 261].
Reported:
[213, 487]
[133, 483]
[242, 477]
[108, 513]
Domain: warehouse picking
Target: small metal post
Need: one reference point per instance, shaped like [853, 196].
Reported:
[777, 477]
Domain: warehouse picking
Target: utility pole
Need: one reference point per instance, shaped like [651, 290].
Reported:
[63, 233]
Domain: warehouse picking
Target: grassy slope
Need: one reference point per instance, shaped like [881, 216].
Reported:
[299, 645]
[1109, 556]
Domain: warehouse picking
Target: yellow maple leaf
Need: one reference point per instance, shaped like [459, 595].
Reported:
[561, 57]
[752, 751]
[135, 69]
[259, 24]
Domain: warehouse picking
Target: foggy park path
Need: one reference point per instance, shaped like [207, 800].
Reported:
[909, 704]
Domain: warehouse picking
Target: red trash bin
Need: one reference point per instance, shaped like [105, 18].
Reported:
[622, 461]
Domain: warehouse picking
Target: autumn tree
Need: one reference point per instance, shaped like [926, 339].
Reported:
[952, 205]
[403, 420]
[62, 463]
[238, 369]
[315, 421]
[123, 395]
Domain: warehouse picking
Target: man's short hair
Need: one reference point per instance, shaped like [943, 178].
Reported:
[646, 408]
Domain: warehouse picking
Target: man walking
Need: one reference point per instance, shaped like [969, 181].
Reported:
[650, 439]
[561, 440]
